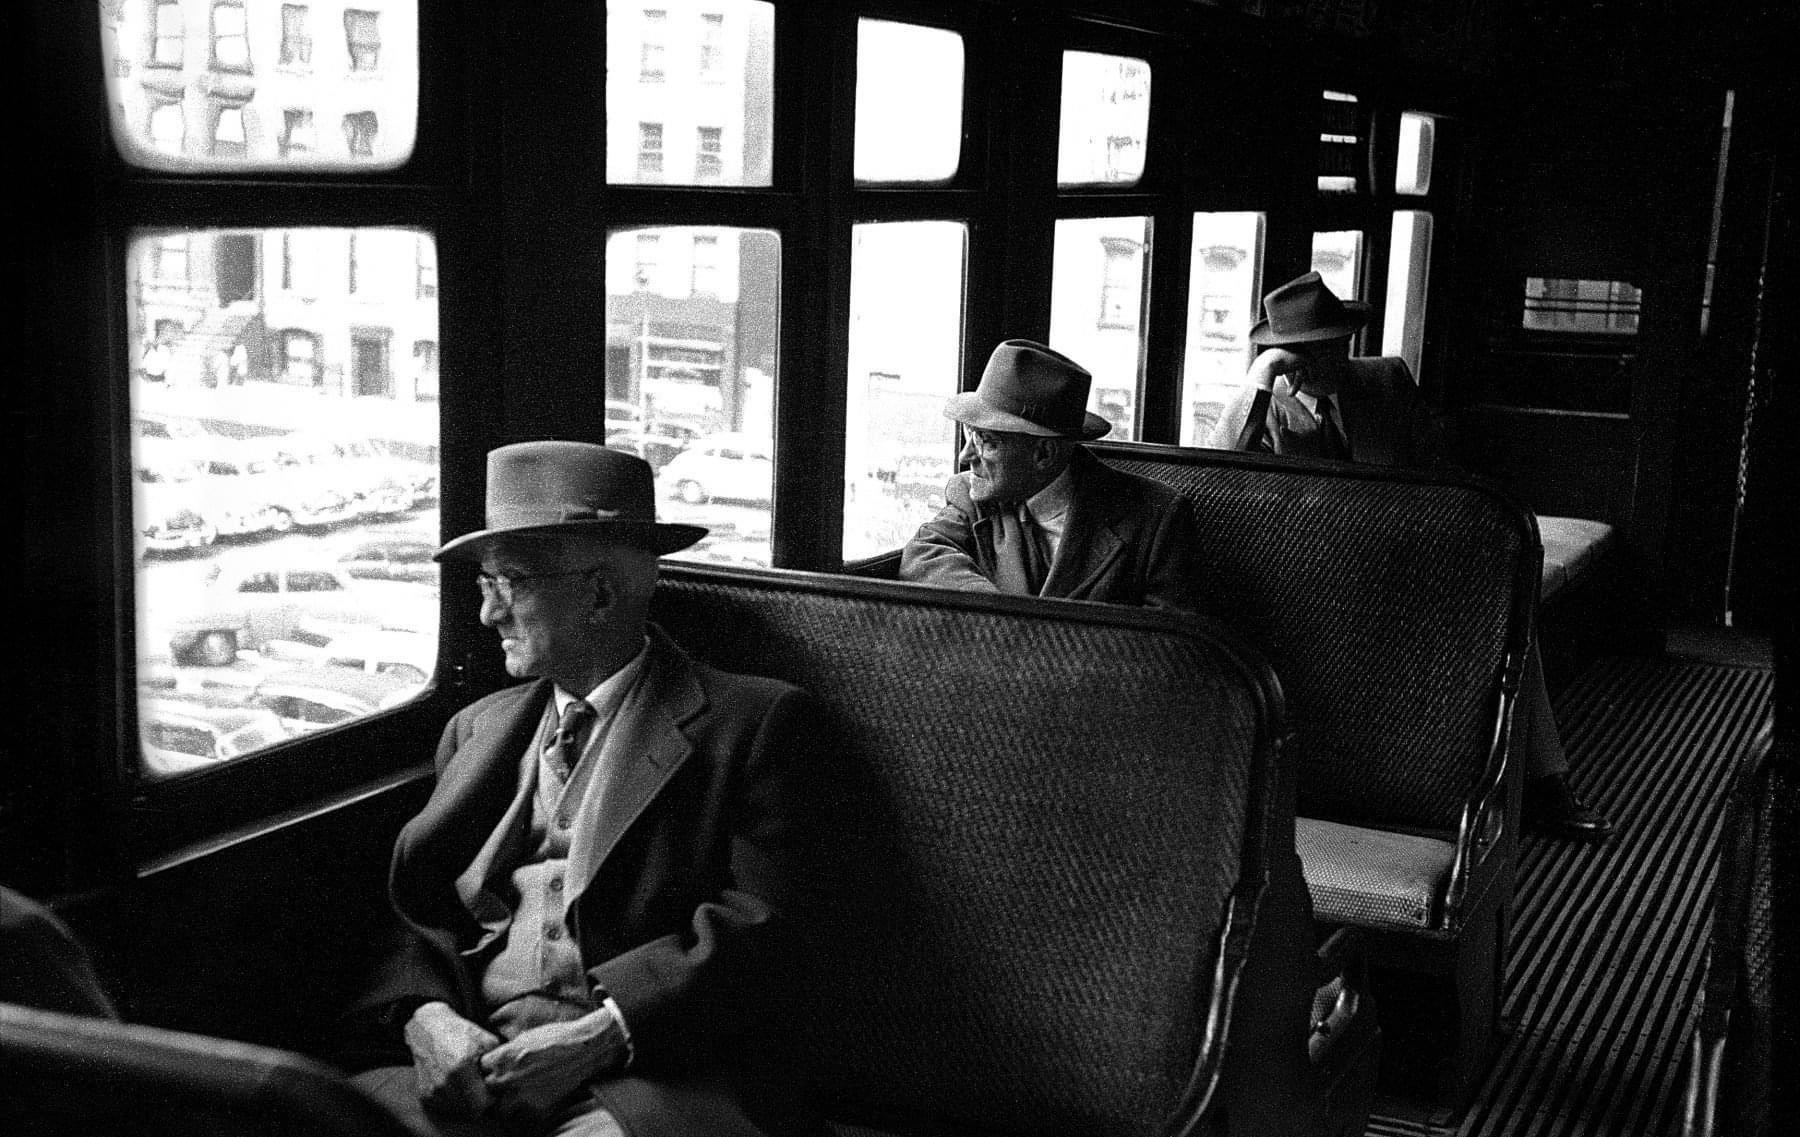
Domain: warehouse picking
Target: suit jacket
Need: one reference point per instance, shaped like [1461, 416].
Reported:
[679, 890]
[1384, 420]
[1127, 540]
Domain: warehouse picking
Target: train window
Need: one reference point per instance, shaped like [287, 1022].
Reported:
[690, 92]
[1594, 307]
[1337, 258]
[1105, 121]
[232, 86]
[1341, 137]
[1412, 166]
[252, 496]
[1096, 309]
[1224, 286]
[1409, 258]
[691, 357]
[906, 295]
[909, 92]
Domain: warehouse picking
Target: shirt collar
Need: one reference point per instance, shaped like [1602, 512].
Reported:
[611, 692]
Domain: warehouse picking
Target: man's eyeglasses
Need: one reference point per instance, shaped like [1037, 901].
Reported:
[502, 586]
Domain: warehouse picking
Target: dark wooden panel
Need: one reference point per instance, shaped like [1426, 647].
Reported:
[1555, 462]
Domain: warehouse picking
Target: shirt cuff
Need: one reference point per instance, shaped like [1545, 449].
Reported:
[612, 1007]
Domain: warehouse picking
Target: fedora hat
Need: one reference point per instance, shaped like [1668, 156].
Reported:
[554, 489]
[1305, 311]
[1030, 389]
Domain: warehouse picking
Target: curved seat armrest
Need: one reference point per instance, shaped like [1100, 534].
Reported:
[1485, 824]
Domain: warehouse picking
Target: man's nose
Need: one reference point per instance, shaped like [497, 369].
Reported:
[967, 453]
[493, 610]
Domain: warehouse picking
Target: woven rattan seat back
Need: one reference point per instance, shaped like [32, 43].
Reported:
[1042, 818]
[1387, 604]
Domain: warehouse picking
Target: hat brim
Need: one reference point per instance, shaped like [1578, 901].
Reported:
[1356, 316]
[662, 537]
[969, 409]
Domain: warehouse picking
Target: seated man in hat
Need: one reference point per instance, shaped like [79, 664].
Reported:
[1036, 515]
[1308, 398]
[596, 895]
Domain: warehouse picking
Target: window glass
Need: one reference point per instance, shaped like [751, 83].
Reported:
[906, 305]
[1224, 299]
[691, 360]
[1603, 307]
[251, 77]
[1409, 261]
[1105, 119]
[1340, 142]
[1337, 258]
[1096, 309]
[262, 465]
[909, 93]
[690, 92]
[1412, 168]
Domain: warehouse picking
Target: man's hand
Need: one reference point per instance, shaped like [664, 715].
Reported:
[1274, 363]
[533, 1072]
[447, 1050]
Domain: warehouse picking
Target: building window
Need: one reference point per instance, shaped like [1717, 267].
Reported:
[168, 36]
[168, 127]
[362, 35]
[228, 133]
[359, 134]
[1599, 307]
[370, 375]
[1121, 282]
[706, 265]
[425, 370]
[650, 150]
[712, 47]
[649, 259]
[709, 160]
[297, 132]
[352, 281]
[653, 47]
[296, 36]
[300, 263]
[230, 38]
[172, 260]
[427, 262]
[301, 350]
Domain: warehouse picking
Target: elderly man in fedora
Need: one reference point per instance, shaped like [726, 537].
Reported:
[595, 895]
[1308, 398]
[1034, 514]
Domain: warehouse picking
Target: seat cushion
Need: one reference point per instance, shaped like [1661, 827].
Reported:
[1571, 545]
[1371, 877]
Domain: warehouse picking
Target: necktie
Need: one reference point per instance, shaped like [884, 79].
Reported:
[1037, 550]
[565, 744]
[1332, 443]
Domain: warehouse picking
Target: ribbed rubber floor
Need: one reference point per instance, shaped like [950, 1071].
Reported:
[1610, 943]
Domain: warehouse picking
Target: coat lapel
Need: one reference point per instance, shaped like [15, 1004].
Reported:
[1089, 545]
[643, 750]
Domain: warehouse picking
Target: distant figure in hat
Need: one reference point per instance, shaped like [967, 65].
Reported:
[1034, 514]
[595, 894]
[1306, 397]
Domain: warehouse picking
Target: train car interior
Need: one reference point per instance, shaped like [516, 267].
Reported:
[282, 273]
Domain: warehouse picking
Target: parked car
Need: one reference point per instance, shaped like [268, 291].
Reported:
[166, 498]
[261, 476]
[255, 603]
[179, 735]
[730, 467]
[410, 656]
[352, 467]
[392, 558]
[623, 415]
[315, 697]
[656, 449]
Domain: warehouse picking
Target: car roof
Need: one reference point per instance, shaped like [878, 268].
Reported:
[299, 680]
[172, 709]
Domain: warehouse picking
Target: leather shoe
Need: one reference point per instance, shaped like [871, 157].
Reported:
[1551, 808]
